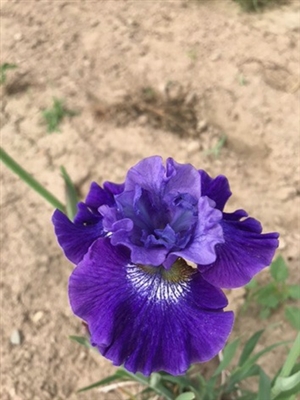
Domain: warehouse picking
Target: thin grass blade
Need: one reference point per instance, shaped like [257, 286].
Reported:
[27, 178]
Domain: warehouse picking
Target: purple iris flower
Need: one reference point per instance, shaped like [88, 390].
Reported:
[145, 306]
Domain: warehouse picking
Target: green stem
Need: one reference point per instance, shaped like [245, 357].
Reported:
[291, 358]
[289, 364]
[26, 177]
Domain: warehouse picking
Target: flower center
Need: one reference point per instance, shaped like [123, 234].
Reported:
[159, 284]
[179, 272]
[159, 220]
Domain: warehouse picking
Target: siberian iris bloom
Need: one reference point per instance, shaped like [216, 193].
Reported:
[145, 306]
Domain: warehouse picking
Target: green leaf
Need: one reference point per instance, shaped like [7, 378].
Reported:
[29, 179]
[117, 376]
[249, 347]
[182, 381]
[248, 396]
[264, 390]
[158, 388]
[53, 116]
[292, 314]
[252, 284]
[71, 195]
[286, 386]
[268, 296]
[81, 340]
[294, 292]
[228, 355]
[249, 368]
[265, 313]
[256, 356]
[240, 374]
[155, 378]
[3, 68]
[279, 270]
[218, 147]
[186, 396]
[290, 362]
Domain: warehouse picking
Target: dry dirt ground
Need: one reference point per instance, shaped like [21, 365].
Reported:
[146, 77]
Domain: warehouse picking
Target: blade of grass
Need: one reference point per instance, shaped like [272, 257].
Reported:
[249, 347]
[158, 388]
[291, 358]
[117, 376]
[264, 390]
[71, 195]
[81, 340]
[33, 183]
[228, 355]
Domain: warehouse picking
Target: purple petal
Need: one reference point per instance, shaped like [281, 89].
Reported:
[98, 196]
[113, 188]
[207, 235]
[85, 215]
[87, 212]
[245, 252]
[148, 174]
[216, 189]
[139, 319]
[140, 254]
[183, 178]
[74, 239]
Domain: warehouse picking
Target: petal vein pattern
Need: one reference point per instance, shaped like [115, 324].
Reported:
[146, 318]
[152, 286]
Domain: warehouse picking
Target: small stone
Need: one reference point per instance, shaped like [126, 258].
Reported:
[202, 125]
[282, 244]
[215, 57]
[15, 337]
[193, 147]
[37, 316]
[18, 36]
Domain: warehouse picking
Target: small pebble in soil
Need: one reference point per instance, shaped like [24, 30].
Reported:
[202, 125]
[37, 316]
[18, 36]
[15, 337]
[215, 56]
[282, 244]
[193, 147]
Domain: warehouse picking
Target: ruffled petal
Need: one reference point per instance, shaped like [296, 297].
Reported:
[208, 233]
[85, 215]
[87, 212]
[216, 189]
[245, 252]
[138, 318]
[113, 188]
[74, 239]
[148, 174]
[98, 196]
[182, 178]
[139, 254]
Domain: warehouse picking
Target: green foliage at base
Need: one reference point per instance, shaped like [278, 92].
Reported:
[275, 293]
[224, 383]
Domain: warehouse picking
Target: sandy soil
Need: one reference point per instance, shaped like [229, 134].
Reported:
[146, 77]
